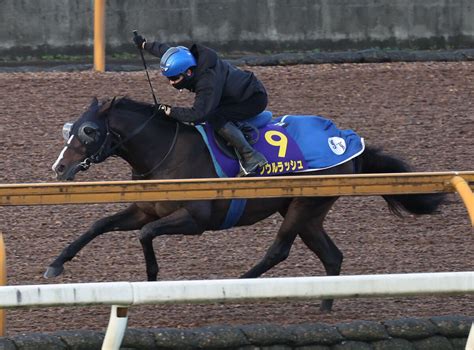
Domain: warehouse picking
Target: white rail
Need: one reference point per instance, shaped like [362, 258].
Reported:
[123, 294]
[230, 290]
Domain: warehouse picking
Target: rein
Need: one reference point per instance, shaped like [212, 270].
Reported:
[173, 143]
[103, 153]
[121, 142]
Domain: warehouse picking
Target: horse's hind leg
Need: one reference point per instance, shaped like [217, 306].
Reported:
[295, 215]
[316, 239]
[278, 251]
[131, 218]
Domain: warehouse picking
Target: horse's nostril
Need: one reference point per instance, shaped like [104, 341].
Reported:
[60, 168]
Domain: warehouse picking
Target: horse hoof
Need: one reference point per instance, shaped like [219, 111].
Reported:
[52, 271]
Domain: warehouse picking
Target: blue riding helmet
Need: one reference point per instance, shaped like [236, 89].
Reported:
[176, 60]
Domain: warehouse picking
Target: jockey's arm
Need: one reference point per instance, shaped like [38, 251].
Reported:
[197, 113]
[208, 96]
[156, 48]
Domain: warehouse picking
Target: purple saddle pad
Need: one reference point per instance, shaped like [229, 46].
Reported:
[282, 152]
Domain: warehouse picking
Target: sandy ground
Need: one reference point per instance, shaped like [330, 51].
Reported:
[422, 112]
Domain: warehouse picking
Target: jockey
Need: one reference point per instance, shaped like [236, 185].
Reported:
[224, 93]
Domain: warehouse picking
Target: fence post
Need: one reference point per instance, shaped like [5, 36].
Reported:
[3, 281]
[99, 35]
[470, 339]
[116, 328]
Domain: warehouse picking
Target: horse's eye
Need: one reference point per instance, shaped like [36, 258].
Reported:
[67, 127]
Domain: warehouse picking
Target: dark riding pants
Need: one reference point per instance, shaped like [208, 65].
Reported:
[238, 111]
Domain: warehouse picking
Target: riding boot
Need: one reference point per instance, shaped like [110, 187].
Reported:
[251, 160]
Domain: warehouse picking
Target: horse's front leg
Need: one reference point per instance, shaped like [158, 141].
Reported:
[131, 218]
[178, 222]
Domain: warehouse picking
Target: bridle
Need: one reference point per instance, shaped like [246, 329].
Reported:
[82, 166]
[106, 150]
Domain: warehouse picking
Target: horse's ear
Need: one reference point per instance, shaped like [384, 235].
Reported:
[94, 102]
[107, 105]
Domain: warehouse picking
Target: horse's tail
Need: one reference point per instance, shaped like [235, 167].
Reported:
[373, 160]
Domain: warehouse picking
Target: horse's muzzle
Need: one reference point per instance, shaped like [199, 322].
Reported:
[66, 174]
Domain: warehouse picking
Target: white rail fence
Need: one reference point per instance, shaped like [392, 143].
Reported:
[122, 295]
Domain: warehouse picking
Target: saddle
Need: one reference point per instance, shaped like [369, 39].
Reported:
[250, 129]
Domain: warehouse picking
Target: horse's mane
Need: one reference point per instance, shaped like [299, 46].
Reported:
[128, 104]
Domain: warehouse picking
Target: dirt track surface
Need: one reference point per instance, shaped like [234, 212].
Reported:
[422, 112]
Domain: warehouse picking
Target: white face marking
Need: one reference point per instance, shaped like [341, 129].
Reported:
[61, 155]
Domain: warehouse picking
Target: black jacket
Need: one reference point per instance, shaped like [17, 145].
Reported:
[215, 82]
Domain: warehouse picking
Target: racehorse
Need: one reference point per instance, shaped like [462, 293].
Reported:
[157, 147]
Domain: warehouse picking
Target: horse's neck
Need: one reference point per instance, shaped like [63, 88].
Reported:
[137, 137]
[159, 147]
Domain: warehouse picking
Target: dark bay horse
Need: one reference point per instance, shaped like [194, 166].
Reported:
[157, 147]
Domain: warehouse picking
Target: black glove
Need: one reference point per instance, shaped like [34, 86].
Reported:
[139, 41]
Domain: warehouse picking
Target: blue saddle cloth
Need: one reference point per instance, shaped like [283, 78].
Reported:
[323, 145]
[292, 143]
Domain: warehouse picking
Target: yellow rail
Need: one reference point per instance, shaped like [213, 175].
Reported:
[198, 189]
[465, 191]
[264, 187]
